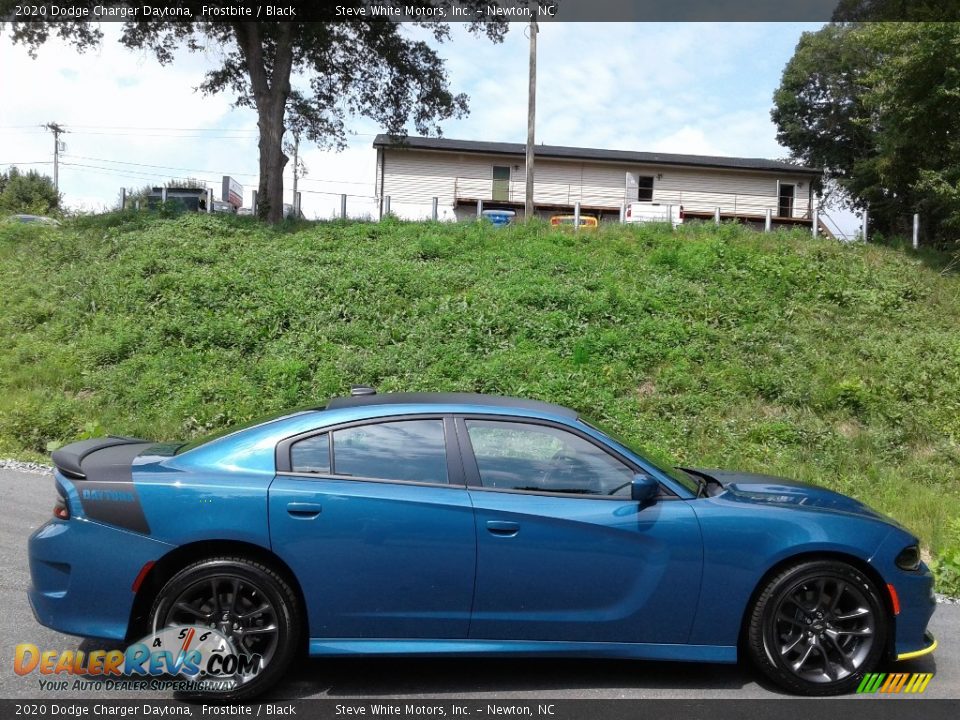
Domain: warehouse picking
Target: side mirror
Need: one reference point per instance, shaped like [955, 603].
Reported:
[644, 489]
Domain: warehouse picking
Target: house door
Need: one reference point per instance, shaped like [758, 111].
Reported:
[501, 183]
[785, 200]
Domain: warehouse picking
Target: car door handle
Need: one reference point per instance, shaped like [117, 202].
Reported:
[503, 528]
[304, 511]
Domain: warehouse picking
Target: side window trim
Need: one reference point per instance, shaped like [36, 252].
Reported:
[472, 468]
[455, 474]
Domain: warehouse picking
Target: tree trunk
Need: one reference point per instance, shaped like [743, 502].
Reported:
[270, 95]
[272, 162]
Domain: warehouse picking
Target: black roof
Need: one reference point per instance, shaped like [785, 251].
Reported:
[574, 153]
[450, 399]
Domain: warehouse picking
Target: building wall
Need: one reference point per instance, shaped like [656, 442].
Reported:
[412, 178]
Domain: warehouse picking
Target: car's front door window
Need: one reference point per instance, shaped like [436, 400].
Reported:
[543, 458]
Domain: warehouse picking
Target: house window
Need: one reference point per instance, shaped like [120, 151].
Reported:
[645, 188]
[501, 183]
[785, 200]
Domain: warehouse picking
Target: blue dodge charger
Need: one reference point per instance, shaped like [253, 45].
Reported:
[457, 524]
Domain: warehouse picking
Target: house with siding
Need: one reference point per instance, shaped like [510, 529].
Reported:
[461, 174]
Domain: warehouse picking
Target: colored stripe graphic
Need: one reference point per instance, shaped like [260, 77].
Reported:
[894, 683]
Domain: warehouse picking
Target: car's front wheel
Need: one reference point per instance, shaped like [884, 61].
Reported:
[247, 603]
[817, 627]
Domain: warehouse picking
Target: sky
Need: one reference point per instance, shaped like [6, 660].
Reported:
[700, 88]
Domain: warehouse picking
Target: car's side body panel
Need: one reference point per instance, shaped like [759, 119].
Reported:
[525, 648]
[386, 560]
[584, 569]
[741, 547]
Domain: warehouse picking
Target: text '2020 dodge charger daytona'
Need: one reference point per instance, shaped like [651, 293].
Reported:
[435, 524]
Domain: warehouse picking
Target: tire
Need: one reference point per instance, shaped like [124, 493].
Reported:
[242, 586]
[817, 627]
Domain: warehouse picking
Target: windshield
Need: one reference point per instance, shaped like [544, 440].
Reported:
[659, 460]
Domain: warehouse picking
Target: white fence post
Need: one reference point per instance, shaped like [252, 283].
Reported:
[816, 221]
[479, 209]
[670, 215]
[386, 206]
[163, 194]
[768, 223]
[433, 213]
[343, 207]
[576, 216]
[866, 220]
[716, 216]
[296, 204]
[253, 202]
[123, 198]
[209, 200]
[623, 213]
[916, 230]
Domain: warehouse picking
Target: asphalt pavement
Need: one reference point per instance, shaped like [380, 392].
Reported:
[26, 502]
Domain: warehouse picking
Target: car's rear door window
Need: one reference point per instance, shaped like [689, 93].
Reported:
[311, 455]
[543, 458]
[405, 450]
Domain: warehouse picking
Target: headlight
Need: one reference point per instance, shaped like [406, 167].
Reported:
[909, 558]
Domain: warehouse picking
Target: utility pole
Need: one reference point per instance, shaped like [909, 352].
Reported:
[296, 172]
[531, 120]
[56, 130]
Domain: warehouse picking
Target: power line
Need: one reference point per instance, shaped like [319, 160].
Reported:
[134, 174]
[220, 172]
[164, 167]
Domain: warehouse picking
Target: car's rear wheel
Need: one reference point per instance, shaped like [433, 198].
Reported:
[817, 627]
[250, 604]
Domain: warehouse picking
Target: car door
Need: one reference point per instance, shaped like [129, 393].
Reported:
[563, 553]
[375, 521]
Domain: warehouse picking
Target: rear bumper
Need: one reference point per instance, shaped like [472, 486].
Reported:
[82, 573]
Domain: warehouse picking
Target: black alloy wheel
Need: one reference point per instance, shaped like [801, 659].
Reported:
[249, 604]
[818, 627]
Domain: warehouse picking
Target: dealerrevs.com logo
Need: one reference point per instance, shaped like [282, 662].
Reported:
[204, 658]
[894, 683]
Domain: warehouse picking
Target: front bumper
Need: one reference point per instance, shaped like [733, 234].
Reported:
[914, 592]
[931, 646]
[82, 573]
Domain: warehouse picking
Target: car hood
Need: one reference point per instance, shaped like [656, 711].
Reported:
[755, 489]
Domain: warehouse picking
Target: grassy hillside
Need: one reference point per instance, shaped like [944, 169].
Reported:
[721, 347]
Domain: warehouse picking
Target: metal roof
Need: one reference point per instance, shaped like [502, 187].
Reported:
[574, 153]
[451, 399]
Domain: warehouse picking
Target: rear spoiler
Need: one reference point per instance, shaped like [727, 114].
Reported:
[69, 458]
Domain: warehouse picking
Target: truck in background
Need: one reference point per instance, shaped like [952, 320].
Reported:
[639, 212]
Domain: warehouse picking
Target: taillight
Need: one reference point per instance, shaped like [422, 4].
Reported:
[61, 510]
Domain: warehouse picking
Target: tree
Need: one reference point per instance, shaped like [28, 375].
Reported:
[877, 105]
[29, 192]
[361, 67]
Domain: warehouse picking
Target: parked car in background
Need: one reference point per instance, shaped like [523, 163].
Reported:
[38, 219]
[460, 524]
[587, 222]
[640, 212]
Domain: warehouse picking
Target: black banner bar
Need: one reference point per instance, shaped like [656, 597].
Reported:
[852, 708]
[467, 11]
